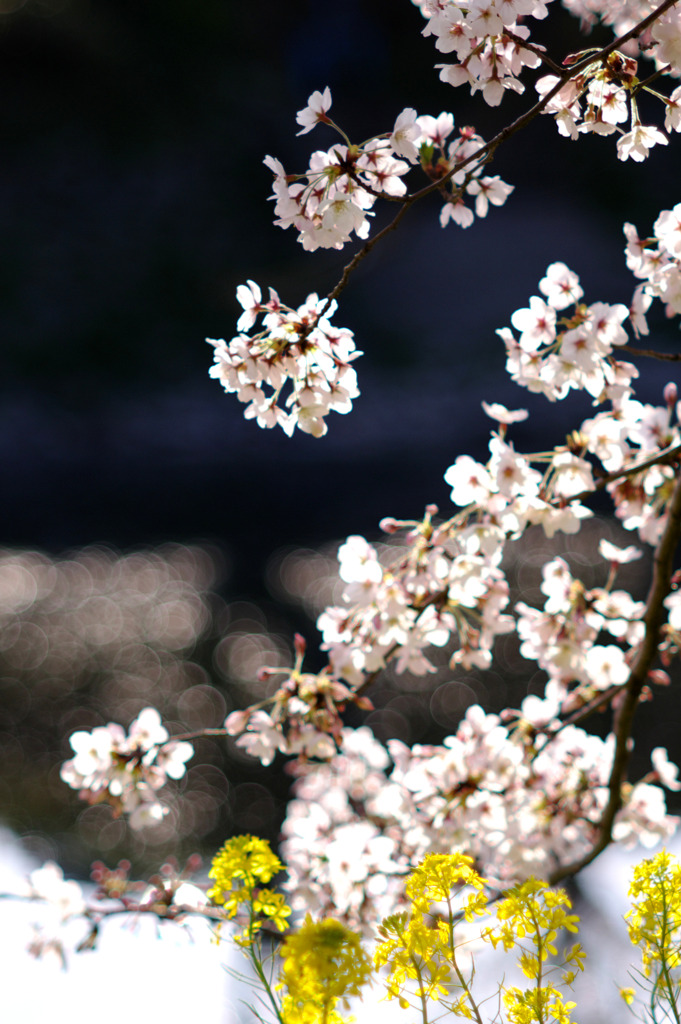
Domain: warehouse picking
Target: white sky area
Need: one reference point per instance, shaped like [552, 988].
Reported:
[145, 973]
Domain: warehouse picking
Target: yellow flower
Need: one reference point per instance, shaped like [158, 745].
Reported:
[323, 962]
[244, 858]
[272, 905]
[654, 924]
[237, 870]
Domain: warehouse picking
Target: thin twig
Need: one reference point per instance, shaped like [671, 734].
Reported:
[672, 357]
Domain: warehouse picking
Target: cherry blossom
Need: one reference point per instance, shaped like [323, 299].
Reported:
[405, 136]
[126, 771]
[299, 352]
[315, 112]
[639, 141]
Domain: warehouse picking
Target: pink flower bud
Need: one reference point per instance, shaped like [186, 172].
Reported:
[671, 393]
[390, 525]
[236, 722]
[300, 645]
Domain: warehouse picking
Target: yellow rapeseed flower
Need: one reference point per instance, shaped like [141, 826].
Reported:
[323, 963]
[238, 869]
[654, 924]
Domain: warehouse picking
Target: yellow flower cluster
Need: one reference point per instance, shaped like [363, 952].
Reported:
[238, 870]
[417, 951]
[420, 950]
[529, 920]
[323, 963]
[654, 924]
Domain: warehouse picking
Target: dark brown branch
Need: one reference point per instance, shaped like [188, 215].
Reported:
[662, 457]
[651, 78]
[672, 357]
[538, 51]
[653, 618]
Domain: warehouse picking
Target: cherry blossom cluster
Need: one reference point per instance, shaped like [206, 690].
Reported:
[294, 371]
[304, 714]
[492, 51]
[334, 198]
[486, 40]
[448, 584]
[657, 261]
[520, 801]
[562, 637]
[127, 771]
[552, 356]
[609, 92]
[661, 41]
[440, 163]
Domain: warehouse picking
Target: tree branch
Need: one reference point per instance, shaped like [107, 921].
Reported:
[663, 568]
[672, 357]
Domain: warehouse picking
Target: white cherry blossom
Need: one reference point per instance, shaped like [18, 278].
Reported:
[318, 106]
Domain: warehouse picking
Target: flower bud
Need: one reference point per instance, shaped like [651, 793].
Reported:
[300, 645]
[390, 525]
[237, 722]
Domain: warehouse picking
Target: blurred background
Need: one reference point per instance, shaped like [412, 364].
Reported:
[157, 548]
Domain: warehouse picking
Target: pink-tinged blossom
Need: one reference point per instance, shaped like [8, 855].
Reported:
[457, 211]
[406, 136]
[127, 770]
[618, 556]
[667, 772]
[250, 296]
[318, 106]
[470, 482]
[666, 31]
[610, 101]
[572, 475]
[564, 105]
[560, 286]
[294, 371]
[511, 471]
[605, 437]
[672, 118]
[605, 666]
[488, 190]
[667, 229]
[639, 141]
[436, 129]
[504, 416]
[537, 324]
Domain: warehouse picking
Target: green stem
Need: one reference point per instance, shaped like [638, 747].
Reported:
[462, 980]
[256, 960]
[257, 966]
[668, 984]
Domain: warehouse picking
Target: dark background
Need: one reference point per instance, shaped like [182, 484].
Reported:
[133, 202]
